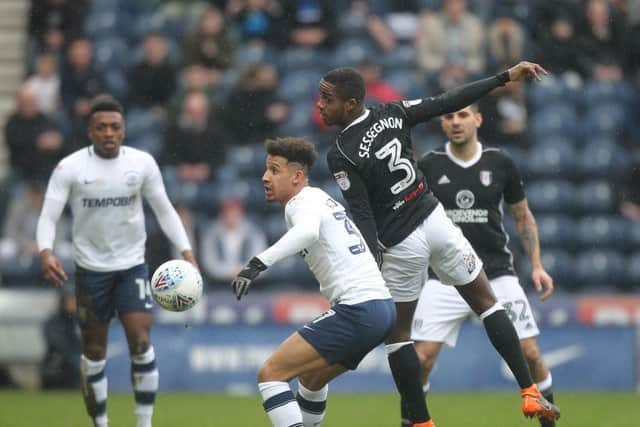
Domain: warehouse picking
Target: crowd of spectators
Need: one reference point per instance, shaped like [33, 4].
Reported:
[205, 82]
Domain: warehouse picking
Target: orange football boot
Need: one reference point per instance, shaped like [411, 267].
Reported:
[535, 405]
[425, 424]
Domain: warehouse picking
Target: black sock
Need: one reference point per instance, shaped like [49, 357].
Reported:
[505, 340]
[407, 372]
[404, 413]
[544, 422]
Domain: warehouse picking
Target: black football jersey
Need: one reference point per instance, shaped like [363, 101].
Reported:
[472, 193]
[373, 164]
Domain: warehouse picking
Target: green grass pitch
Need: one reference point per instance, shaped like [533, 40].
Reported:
[65, 409]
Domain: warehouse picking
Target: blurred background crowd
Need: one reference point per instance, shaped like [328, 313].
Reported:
[205, 82]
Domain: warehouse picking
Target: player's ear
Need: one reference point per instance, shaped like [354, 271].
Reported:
[479, 119]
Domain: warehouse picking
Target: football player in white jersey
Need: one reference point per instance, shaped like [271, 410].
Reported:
[362, 312]
[104, 184]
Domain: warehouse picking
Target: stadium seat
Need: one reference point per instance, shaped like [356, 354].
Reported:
[402, 56]
[600, 268]
[606, 119]
[552, 159]
[246, 158]
[633, 235]
[598, 92]
[320, 171]
[298, 58]
[551, 196]
[116, 83]
[594, 197]
[352, 24]
[556, 231]
[251, 54]
[601, 232]
[299, 85]
[291, 273]
[548, 92]
[632, 282]
[299, 120]
[407, 81]
[111, 53]
[559, 118]
[274, 227]
[557, 262]
[600, 158]
[353, 51]
[101, 24]
[142, 122]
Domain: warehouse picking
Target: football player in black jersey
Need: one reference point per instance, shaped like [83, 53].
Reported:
[401, 220]
[471, 180]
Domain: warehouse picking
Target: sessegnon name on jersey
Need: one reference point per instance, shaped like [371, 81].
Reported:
[371, 133]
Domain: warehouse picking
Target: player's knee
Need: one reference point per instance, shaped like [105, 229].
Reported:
[268, 372]
[427, 360]
[94, 351]
[312, 381]
[139, 346]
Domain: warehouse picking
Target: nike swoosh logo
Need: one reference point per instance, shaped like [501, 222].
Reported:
[552, 358]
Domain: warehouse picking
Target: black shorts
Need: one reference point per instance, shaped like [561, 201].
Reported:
[101, 294]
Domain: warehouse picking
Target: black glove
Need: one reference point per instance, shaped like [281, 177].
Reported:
[243, 280]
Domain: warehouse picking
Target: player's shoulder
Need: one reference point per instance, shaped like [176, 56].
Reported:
[77, 158]
[136, 154]
[434, 155]
[339, 153]
[496, 154]
[309, 199]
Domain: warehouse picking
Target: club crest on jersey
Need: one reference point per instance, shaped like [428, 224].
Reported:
[132, 178]
[342, 178]
[469, 262]
[486, 178]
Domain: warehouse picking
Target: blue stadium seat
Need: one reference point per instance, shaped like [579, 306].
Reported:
[116, 83]
[606, 119]
[245, 159]
[632, 282]
[290, 273]
[555, 119]
[600, 158]
[600, 268]
[558, 263]
[595, 197]
[552, 159]
[407, 81]
[353, 51]
[274, 227]
[601, 232]
[352, 24]
[633, 235]
[251, 54]
[299, 85]
[550, 91]
[101, 24]
[150, 142]
[402, 56]
[299, 121]
[142, 122]
[551, 196]
[333, 190]
[111, 53]
[320, 171]
[556, 231]
[598, 92]
[298, 58]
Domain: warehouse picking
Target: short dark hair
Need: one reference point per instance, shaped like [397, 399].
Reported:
[348, 82]
[105, 102]
[294, 149]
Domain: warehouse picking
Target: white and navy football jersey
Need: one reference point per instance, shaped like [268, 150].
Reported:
[105, 196]
[472, 193]
[340, 259]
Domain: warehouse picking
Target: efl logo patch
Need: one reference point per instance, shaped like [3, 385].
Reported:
[342, 178]
[486, 178]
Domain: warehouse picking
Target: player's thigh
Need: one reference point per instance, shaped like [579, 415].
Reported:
[132, 293]
[452, 257]
[439, 314]
[295, 356]
[515, 302]
[404, 266]
[345, 334]
[95, 296]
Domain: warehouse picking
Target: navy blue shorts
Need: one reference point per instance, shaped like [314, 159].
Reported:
[345, 334]
[101, 294]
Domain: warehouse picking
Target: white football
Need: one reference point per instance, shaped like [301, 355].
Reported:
[176, 285]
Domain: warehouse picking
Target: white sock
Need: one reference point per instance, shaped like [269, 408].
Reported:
[145, 385]
[280, 405]
[545, 384]
[313, 404]
[93, 377]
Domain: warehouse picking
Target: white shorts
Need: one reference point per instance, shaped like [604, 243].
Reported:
[441, 311]
[437, 243]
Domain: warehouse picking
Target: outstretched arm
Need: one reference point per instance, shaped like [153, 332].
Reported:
[459, 97]
[528, 232]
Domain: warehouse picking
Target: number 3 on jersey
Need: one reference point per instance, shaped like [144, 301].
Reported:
[393, 150]
[351, 229]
